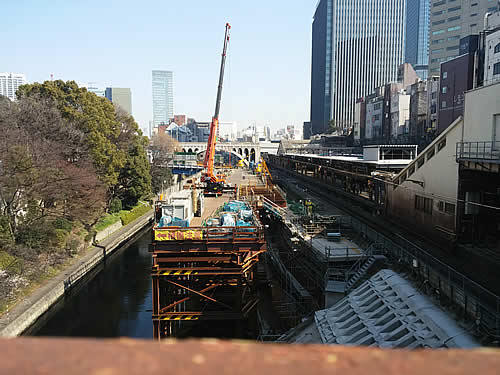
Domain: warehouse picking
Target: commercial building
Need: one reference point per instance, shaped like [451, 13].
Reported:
[121, 97]
[478, 155]
[163, 96]
[456, 77]
[450, 191]
[400, 113]
[417, 36]
[356, 47]
[450, 21]
[9, 83]
[492, 49]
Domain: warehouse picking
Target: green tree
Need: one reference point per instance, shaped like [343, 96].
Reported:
[93, 115]
[112, 138]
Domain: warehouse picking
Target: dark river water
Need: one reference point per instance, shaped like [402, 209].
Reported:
[115, 302]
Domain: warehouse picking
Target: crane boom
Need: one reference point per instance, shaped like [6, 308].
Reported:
[208, 162]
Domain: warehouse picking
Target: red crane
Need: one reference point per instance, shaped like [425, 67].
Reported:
[215, 184]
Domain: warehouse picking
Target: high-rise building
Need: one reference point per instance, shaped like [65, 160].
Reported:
[121, 97]
[417, 36]
[9, 83]
[450, 21]
[163, 96]
[357, 45]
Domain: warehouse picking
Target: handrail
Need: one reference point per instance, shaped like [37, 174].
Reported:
[480, 150]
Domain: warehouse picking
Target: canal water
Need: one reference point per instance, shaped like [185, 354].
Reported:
[115, 302]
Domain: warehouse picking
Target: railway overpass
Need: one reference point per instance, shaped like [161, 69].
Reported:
[250, 151]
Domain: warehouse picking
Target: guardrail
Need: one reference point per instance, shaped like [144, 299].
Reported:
[162, 234]
[485, 150]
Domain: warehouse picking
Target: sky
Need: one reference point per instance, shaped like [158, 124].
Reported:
[117, 43]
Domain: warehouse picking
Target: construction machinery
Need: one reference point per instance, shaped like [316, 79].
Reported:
[215, 184]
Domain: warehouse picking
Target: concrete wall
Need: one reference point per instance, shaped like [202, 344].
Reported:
[107, 231]
[436, 178]
[480, 106]
[23, 315]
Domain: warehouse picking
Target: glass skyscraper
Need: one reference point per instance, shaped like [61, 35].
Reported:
[163, 96]
[357, 46]
[417, 36]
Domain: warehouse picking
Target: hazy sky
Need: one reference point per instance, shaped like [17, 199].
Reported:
[118, 42]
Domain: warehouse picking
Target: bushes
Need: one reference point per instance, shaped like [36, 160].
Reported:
[129, 216]
[115, 206]
[106, 221]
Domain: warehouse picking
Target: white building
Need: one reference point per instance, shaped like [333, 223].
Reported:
[492, 50]
[400, 112]
[9, 83]
[374, 110]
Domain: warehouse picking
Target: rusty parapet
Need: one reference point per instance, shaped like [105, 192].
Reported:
[127, 356]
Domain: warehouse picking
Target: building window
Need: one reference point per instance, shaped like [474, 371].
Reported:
[445, 75]
[376, 106]
[438, 13]
[444, 89]
[496, 68]
[437, 41]
[452, 47]
[438, 32]
[473, 15]
[455, 37]
[454, 28]
[446, 207]
[497, 48]
[494, 9]
[430, 154]
[439, 3]
[441, 144]
[449, 208]
[439, 50]
[438, 22]
[423, 204]
[454, 9]
[451, 19]
[443, 104]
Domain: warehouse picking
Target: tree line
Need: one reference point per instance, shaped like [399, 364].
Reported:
[66, 156]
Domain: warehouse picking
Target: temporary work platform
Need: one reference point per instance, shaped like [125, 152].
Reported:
[203, 273]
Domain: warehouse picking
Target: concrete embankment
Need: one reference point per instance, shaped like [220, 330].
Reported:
[25, 313]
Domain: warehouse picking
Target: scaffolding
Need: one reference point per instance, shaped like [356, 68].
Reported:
[203, 273]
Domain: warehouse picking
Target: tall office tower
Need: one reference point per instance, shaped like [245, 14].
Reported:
[121, 97]
[163, 96]
[9, 83]
[452, 20]
[357, 45]
[417, 36]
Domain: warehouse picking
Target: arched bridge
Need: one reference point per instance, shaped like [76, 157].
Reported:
[242, 150]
